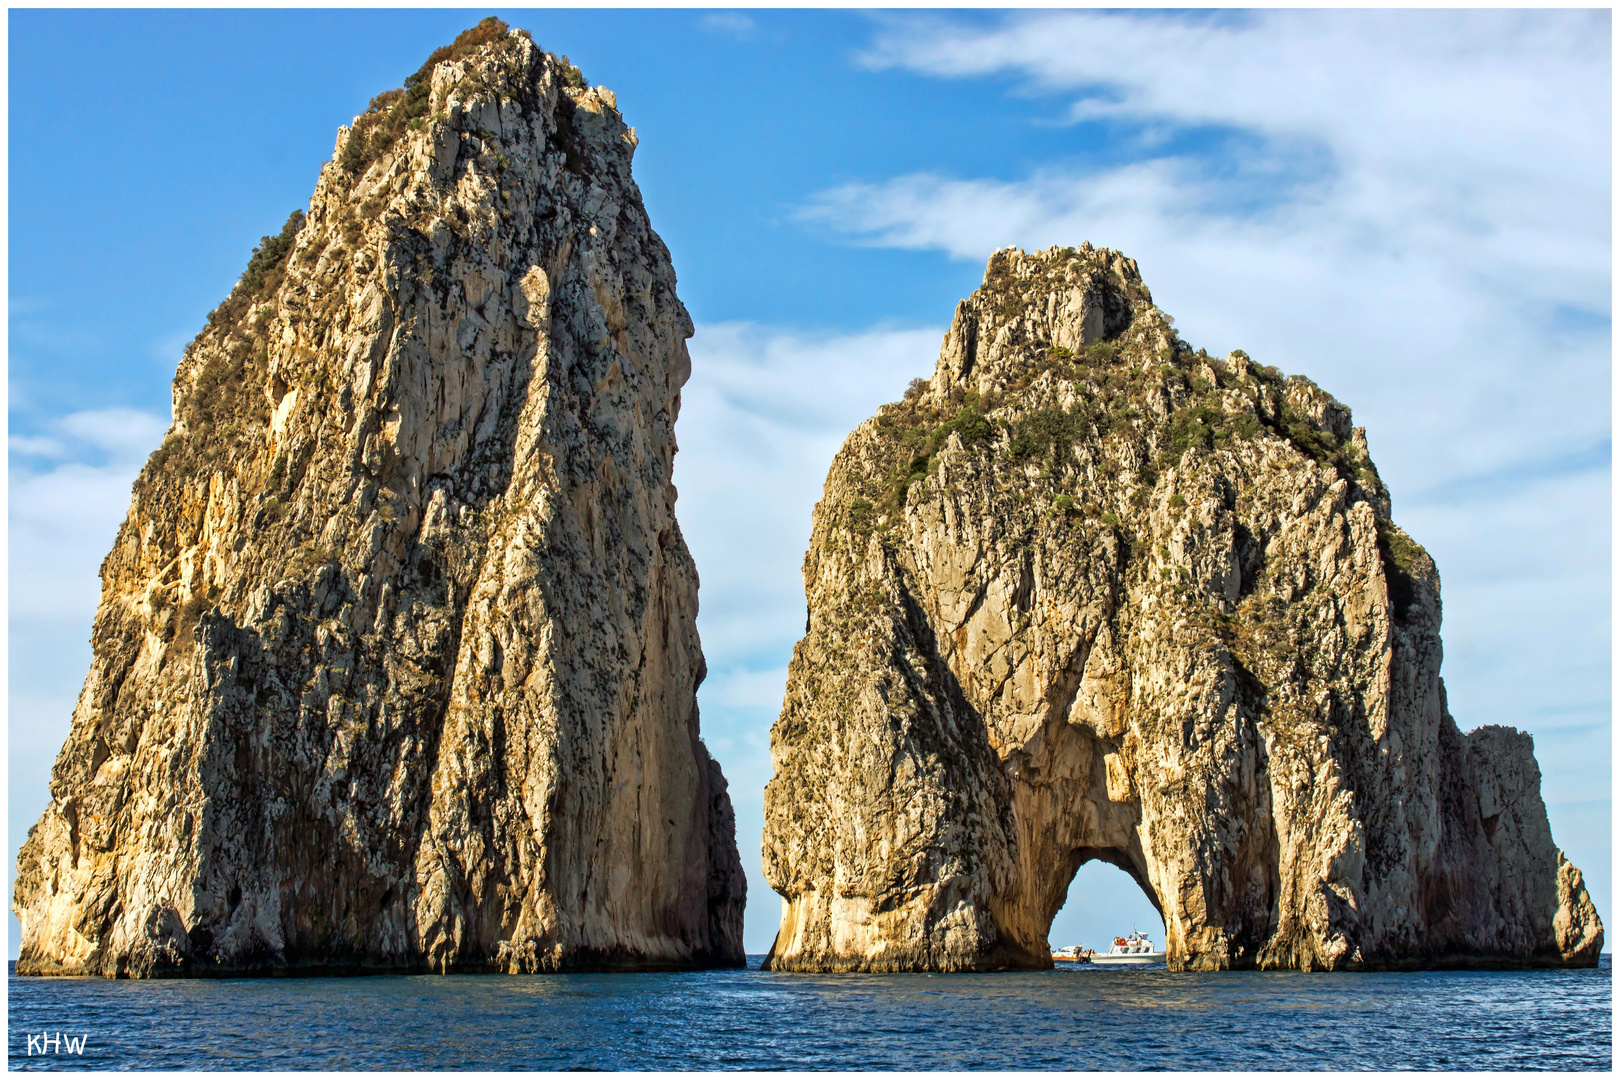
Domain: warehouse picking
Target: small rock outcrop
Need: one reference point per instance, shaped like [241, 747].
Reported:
[396, 657]
[1090, 594]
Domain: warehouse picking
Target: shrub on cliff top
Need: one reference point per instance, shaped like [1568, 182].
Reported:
[263, 274]
[392, 112]
[271, 254]
[570, 75]
[487, 32]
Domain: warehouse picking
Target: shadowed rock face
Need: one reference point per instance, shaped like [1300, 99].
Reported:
[1089, 594]
[395, 660]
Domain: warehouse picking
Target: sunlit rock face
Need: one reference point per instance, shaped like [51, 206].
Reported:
[395, 661]
[1089, 594]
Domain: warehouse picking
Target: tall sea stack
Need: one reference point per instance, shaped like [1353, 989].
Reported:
[1090, 594]
[395, 661]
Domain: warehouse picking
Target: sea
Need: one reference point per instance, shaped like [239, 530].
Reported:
[1075, 1017]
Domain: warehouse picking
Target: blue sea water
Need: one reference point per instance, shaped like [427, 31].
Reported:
[1074, 1017]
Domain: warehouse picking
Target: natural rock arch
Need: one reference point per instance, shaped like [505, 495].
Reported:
[1088, 592]
[1066, 816]
[1084, 824]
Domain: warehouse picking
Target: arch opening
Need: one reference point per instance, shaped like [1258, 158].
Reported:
[1105, 899]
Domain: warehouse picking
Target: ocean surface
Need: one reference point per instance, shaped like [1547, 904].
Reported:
[1074, 1017]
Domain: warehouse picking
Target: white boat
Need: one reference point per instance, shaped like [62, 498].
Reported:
[1136, 949]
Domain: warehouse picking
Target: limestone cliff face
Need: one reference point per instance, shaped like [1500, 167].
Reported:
[395, 660]
[1089, 594]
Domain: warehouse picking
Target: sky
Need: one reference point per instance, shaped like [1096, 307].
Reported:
[1412, 208]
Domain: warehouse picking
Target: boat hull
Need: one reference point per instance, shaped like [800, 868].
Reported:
[1133, 959]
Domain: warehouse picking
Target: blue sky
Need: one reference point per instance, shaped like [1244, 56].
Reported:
[1411, 208]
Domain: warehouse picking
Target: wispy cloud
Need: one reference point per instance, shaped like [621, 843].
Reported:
[1592, 458]
[748, 689]
[761, 419]
[69, 488]
[53, 336]
[729, 24]
[1393, 85]
[124, 436]
[168, 350]
[35, 446]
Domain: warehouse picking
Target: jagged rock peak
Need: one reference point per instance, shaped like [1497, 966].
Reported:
[395, 661]
[1091, 594]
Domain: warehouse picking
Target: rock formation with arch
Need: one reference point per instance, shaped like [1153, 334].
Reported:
[396, 655]
[1090, 594]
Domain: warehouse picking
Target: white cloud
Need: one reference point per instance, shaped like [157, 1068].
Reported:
[125, 435]
[968, 219]
[761, 419]
[35, 446]
[64, 512]
[747, 689]
[1431, 87]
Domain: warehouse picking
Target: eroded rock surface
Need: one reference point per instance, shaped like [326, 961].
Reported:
[395, 660]
[1089, 594]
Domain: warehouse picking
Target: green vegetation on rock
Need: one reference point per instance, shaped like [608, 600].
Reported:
[393, 112]
[263, 275]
